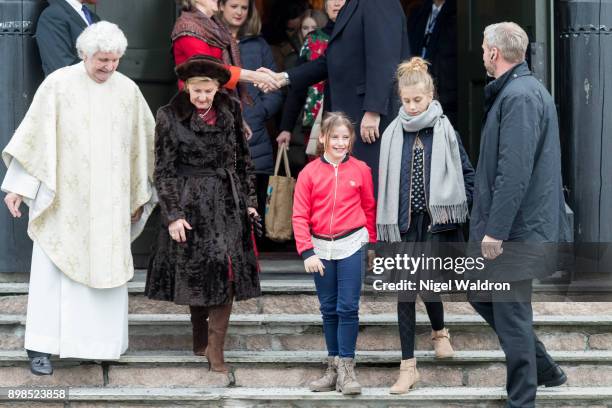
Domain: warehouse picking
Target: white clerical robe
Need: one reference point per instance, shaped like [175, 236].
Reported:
[91, 147]
[82, 173]
[67, 318]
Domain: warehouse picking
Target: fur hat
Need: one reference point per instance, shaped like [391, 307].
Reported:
[203, 66]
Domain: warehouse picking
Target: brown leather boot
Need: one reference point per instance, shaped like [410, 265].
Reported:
[218, 320]
[199, 326]
[441, 343]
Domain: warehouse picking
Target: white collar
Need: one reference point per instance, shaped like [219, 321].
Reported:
[75, 4]
[78, 7]
[438, 8]
[331, 162]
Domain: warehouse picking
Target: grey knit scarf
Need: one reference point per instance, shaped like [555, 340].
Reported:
[447, 200]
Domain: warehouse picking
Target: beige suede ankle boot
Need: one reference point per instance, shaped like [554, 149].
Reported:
[441, 343]
[407, 378]
[328, 381]
[347, 382]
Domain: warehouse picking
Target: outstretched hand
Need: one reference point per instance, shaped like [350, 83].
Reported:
[274, 80]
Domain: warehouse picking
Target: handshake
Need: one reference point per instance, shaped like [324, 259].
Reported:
[268, 80]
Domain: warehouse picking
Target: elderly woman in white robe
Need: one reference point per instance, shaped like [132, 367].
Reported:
[82, 160]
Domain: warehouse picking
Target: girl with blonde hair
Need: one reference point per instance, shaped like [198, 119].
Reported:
[425, 188]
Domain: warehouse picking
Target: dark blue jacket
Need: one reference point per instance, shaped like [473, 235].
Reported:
[57, 30]
[368, 42]
[426, 136]
[255, 53]
[518, 192]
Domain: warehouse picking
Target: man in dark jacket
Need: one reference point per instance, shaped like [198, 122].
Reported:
[58, 27]
[432, 30]
[368, 42]
[517, 198]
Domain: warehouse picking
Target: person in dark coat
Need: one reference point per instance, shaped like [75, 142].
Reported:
[517, 199]
[367, 44]
[432, 30]
[242, 19]
[57, 30]
[204, 178]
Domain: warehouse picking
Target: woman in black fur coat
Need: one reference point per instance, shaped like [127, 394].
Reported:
[205, 255]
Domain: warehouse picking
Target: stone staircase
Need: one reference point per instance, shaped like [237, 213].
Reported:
[275, 347]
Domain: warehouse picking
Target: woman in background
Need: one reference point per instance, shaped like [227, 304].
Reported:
[242, 19]
[312, 20]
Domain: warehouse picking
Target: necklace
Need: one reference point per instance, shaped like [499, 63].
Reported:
[202, 115]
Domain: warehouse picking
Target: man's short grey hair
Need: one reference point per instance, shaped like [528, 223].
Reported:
[101, 37]
[509, 38]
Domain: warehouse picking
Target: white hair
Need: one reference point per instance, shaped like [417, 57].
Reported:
[101, 37]
[509, 38]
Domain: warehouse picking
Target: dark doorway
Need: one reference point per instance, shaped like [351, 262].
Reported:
[472, 17]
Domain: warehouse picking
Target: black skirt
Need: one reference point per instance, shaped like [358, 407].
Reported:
[434, 249]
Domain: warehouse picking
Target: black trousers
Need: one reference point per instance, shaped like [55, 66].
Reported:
[406, 314]
[526, 356]
[406, 318]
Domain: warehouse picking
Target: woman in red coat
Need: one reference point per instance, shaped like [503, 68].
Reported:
[199, 31]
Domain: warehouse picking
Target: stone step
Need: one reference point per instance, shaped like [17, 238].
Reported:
[269, 284]
[304, 332]
[292, 296]
[292, 369]
[289, 267]
[274, 264]
[455, 397]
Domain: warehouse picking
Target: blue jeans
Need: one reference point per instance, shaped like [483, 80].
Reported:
[339, 291]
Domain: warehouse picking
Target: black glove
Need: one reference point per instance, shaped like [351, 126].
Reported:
[257, 225]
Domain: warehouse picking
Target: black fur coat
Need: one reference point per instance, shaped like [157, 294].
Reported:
[203, 174]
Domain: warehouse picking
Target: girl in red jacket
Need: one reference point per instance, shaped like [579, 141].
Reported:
[334, 214]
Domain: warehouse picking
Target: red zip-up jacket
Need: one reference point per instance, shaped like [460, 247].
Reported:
[331, 200]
